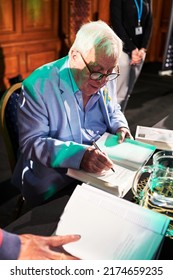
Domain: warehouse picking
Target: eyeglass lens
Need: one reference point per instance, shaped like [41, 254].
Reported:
[99, 76]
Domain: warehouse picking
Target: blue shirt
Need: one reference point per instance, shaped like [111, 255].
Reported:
[91, 118]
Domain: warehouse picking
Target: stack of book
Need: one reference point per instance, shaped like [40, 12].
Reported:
[128, 157]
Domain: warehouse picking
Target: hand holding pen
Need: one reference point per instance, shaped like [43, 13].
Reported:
[95, 161]
[97, 147]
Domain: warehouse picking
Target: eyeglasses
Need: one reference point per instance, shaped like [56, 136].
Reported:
[97, 76]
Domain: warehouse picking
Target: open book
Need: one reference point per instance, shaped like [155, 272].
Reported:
[110, 227]
[128, 157]
[161, 138]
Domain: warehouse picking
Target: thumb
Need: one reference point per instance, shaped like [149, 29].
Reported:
[121, 136]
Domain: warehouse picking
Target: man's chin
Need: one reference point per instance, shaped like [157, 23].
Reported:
[94, 90]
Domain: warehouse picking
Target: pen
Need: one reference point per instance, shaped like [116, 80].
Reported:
[97, 147]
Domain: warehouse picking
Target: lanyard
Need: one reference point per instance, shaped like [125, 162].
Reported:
[139, 10]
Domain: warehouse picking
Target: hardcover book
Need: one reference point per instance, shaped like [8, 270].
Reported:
[128, 157]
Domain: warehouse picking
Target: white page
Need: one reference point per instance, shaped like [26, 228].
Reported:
[110, 228]
[118, 182]
[130, 152]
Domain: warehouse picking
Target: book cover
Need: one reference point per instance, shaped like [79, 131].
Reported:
[110, 227]
[128, 157]
[161, 138]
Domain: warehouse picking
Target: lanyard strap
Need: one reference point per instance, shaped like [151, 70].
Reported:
[139, 10]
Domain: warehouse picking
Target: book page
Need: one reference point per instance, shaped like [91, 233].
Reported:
[117, 183]
[129, 153]
[110, 227]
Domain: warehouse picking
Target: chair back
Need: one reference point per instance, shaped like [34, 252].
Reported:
[9, 123]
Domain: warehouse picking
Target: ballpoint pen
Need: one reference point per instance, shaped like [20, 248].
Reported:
[97, 147]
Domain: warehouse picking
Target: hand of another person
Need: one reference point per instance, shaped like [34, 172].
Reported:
[123, 133]
[95, 161]
[135, 57]
[142, 53]
[35, 247]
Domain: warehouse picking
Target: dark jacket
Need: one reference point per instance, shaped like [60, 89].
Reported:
[124, 20]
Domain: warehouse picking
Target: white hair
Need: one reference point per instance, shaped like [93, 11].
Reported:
[98, 35]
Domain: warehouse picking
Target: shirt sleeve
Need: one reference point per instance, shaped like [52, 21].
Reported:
[9, 246]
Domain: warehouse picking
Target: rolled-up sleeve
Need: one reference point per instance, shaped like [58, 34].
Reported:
[9, 246]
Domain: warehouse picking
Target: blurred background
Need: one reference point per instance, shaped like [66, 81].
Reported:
[35, 32]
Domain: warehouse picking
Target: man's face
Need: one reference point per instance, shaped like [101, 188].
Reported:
[89, 63]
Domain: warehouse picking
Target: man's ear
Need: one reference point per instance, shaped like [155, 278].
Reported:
[73, 54]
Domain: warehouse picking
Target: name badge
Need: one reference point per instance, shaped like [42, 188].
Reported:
[138, 30]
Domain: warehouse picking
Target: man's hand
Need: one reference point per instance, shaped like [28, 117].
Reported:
[35, 247]
[94, 161]
[123, 133]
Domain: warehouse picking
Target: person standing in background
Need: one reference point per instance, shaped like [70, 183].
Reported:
[132, 21]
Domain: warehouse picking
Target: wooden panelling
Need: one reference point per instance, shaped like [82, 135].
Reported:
[7, 21]
[37, 16]
[10, 20]
[12, 65]
[23, 57]
[104, 11]
[28, 36]
[74, 14]
[34, 32]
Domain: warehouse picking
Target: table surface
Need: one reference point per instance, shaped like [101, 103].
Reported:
[166, 122]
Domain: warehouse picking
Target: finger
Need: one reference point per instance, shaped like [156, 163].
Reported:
[102, 158]
[121, 136]
[128, 135]
[106, 161]
[55, 241]
[99, 162]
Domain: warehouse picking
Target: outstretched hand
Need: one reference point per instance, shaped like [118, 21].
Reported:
[35, 247]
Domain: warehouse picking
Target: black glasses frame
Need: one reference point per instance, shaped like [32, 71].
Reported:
[97, 76]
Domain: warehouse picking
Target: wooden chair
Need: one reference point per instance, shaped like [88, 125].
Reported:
[9, 132]
[8, 122]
